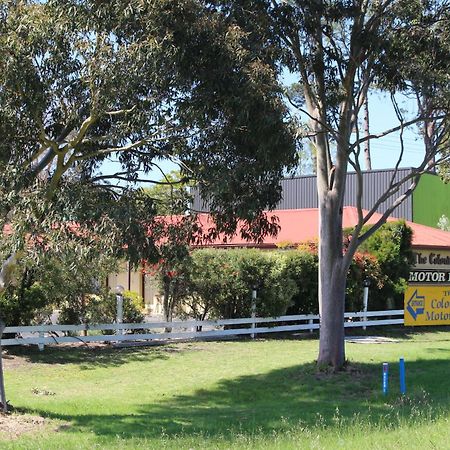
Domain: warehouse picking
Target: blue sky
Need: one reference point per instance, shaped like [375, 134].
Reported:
[384, 152]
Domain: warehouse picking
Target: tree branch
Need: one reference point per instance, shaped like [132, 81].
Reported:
[394, 129]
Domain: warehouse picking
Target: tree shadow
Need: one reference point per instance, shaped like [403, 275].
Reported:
[90, 357]
[402, 332]
[279, 401]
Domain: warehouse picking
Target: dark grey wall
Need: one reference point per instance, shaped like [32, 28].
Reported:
[301, 192]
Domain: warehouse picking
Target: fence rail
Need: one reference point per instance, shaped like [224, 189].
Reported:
[189, 329]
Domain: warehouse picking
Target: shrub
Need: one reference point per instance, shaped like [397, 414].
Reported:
[267, 272]
[101, 308]
[364, 266]
[302, 268]
[220, 283]
[391, 245]
[24, 306]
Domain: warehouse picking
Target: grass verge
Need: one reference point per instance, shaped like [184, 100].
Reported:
[241, 394]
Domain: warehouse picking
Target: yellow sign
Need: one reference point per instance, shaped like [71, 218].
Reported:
[427, 305]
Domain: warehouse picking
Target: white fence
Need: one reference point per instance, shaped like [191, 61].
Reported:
[57, 334]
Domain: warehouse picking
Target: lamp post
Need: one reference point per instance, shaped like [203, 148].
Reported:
[119, 307]
[366, 284]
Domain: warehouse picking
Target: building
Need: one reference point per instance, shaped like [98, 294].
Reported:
[431, 249]
[301, 192]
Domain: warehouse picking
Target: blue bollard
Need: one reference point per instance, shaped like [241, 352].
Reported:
[385, 378]
[402, 376]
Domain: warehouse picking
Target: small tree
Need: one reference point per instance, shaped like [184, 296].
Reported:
[170, 194]
[444, 223]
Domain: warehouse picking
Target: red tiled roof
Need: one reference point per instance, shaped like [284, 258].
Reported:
[302, 225]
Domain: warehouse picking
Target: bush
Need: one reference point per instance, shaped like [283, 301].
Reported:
[101, 309]
[364, 266]
[302, 268]
[267, 272]
[24, 306]
[220, 282]
[391, 245]
[303, 265]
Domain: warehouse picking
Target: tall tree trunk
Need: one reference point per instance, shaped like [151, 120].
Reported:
[332, 282]
[367, 158]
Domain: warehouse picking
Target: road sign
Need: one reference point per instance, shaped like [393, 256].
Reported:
[427, 305]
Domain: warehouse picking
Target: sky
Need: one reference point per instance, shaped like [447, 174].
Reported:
[384, 151]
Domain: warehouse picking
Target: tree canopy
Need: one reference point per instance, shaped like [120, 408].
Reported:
[138, 82]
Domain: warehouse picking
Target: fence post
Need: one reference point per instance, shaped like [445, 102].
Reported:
[41, 344]
[254, 295]
[311, 321]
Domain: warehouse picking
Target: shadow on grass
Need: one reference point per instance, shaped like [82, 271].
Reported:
[400, 331]
[92, 357]
[279, 401]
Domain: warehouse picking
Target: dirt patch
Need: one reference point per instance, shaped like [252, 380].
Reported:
[14, 425]
[13, 361]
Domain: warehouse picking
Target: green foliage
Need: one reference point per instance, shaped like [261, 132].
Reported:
[171, 268]
[265, 271]
[101, 308]
[65, 274]
[83, 81]
[24, 306]
[365, 266]
[391, 245]
[302, 267]
[170, 194]
[444, 223]
[219, 283]
[135, 299]
[210, 279]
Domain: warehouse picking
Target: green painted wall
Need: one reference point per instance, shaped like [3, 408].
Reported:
[431, 200]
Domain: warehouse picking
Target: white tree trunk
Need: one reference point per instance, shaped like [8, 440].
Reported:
[5, 271]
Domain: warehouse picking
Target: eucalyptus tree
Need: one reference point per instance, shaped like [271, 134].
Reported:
[338, 50]
[83, 81]
[139, 82]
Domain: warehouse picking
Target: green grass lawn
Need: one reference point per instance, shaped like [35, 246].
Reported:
[235, 394]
